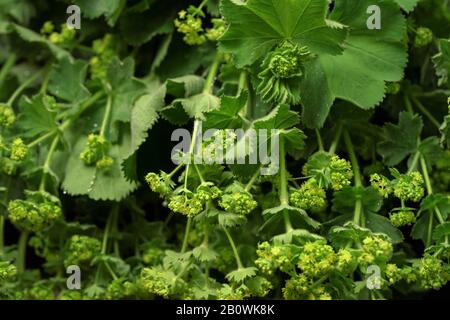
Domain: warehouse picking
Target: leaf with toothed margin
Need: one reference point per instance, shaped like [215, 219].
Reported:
[105, 184]
[370, 58]
[407, 5]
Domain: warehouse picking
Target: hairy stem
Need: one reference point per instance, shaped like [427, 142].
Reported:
[233, 247]
[319, 140]
[24, 85]
[22, 251]
[209, 82]
[353, 159]
[6, 68]
[48, 160]
[186, 235]
[106, 116]
[336, 139]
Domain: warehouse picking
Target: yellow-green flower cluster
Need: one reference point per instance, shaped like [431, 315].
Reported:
[19, 150]
[238, 202]
[64, 37]
[38, 211]
[104, 49]
[382, 184]
[216, 31]
[341, 173]
[301, 287]
[155, 281]
[273, 257]
[81, 249]
[432, 273]
[345, 260]
[187, 204]
[7, 116]
[402, 218]
[8, 271]
[152, 256]
[96, 152]
[316, 259]
[309, 196]
[159, 183]
[424, 36]
[190, 24]
[409, 186]
[375, 248]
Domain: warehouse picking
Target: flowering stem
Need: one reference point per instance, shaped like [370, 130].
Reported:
[209, 82]
[414, 162]
[252, 181]
[109, 224]
[7, 66]
[353, 159]
[2, 236]
[283, 187]
[22, 251]
[24, 85]
[319, 140]
[427, 113]
[337, 137]
[106, 116]
[48, 159]
[233, 247]
[425, 175]
[186, 235]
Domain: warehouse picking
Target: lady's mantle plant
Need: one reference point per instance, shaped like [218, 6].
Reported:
[354, 91]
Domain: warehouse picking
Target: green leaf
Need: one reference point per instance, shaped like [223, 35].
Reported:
[441, 231]
[141, 27]
[228, 219]
[241, 274]
[36, 118]
[341, 236]
[400, 140]
[370, 58]
[423, 227]
[106, 184]
[442, 62]
[407, 5]
[66, 80]
[430, 149]
[125, 88]
[227, 116]
[95, 9]
[293, 212]
[439, 201]
[31, 36]
[204, 254]
[196, 106]
[344, 201]
[380, 224]
[279, 118]
[296, 236]
[256, 26]
[185, 86]
[294, 140]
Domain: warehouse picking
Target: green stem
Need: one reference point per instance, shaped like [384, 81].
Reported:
[2, 235]
[48, 160]
[319, 140]
[408, 104]
[336, 139]
[425, 175]
[7, 66]
[209, 82]
[233, 247]
[357, 212]
[284, 195]
[242, 82]
[186, 235]
[108, 226]
[414, 162]
[111, 272]
[106, 116]
[24, 85]
[22, 251]
[353, 159]
[427, 113]
[252, 180]
[430, 231]
[41, 138]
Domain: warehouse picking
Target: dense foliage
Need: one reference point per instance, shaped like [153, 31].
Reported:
[358, 207]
